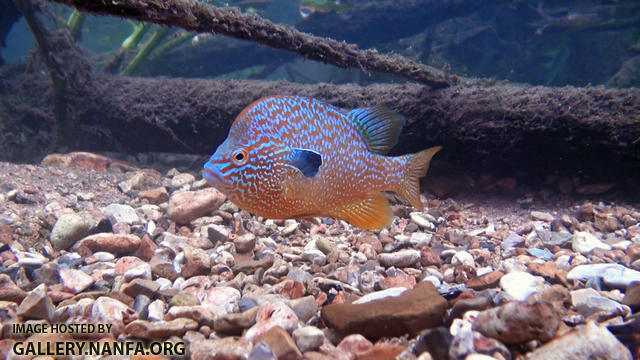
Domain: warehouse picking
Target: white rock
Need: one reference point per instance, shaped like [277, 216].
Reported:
[463, 258]
[432, 279]
[519, 285]
[290, 226]
[156, 310]
[622, 245]
[614, 275]
[75, 280]
[122, 213]
[588, 302]
[315, 256]
[420, 239]
[104, 256]
[483, 271]
[308, 338]
[377, 295]
[584, 243]
[402, 258]
[420, 219]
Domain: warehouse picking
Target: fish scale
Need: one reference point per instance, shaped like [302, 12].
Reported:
[296, 157]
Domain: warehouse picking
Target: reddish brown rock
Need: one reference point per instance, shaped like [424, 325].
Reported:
[155, 196]
[146, 248]
[10, 291]
[143, 329]
[381, 352]
[37, 305]
[354, 344]
[414, 310]
[281, 343]
[429, 257]
[289, 288]
[486, 281]
[140, 287]
[518, 322]
[198, 262]
[113, 243]
[632, 296]
[189, 205]
[74, 280]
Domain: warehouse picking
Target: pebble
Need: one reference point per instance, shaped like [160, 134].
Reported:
[245, 243]
[588, 302]
[420, 219]
[144, 329]
[542, 216]
[308, 338]
[615, 275]
[189, 205]
[402, 258]
[584, 243]
[155, 196]
[416, 309]
[269, 315]
[512, 241]
[463, 258]
[68, 229]
[420, 239]
[225, 348]
[132, 267]
[75, 281]
[111, 243]
[112, 311]
[122, 213]
[551, 238]
[586, 342]
[518, 285]
[37, 305]
[518, 322]
[280, 343]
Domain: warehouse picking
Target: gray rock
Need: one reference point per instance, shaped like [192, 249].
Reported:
[245, 243]
[67, 230]
[308, 338]
[304, 307]
[541, 215]
[551, 238]
[512, 241]
[588, 302]
[122, 213]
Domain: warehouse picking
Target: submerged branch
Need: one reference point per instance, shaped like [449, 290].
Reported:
[198, 17]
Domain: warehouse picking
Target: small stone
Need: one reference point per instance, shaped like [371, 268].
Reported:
[143, 329]
[381, 351]
[181, 180]
[108, 242]
[67, 230]
[75, 281]
[189, 205]
[10, 291]
[542, 216]
[551, 239]
[416, 309]
[631, 296]
[132, 267]
[429, 257]
[37, 305]
[122, 213]
[485, 281]
[140, 287]
[354, 344]
[281, 343]
[235, 323]
[155, 310]
[270, 315]
[227, 348]
[402, 258]
[305, 307]
[290, 226]
[586, 342]
[184, 299]
[518, 285]
[419, 218]
[512, 241]
[217, 233]
[162, 264]
[382, 294]
[588, 302]
[245, 243]
[420, 239]
[518, 322]
[308, 338]
[614, 275]
[204, 315]
[314, 256]
[595, 189]
[112, 311]
[104, 256]
[197, 263]
[463, 258]
[584, 243]
[155, 196]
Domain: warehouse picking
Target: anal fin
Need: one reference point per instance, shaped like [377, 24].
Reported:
[370, 212]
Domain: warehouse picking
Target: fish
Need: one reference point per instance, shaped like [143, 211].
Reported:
[297, 157]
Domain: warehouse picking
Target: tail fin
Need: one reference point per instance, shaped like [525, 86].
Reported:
[418, 164]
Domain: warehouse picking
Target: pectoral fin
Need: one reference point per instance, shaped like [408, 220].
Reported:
[307, 161]
[371, 212]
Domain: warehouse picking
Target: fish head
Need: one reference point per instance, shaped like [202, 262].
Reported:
[224, 168]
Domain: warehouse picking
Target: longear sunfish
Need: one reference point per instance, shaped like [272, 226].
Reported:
[295, 157]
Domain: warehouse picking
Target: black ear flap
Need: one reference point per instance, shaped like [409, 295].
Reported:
[307, 161]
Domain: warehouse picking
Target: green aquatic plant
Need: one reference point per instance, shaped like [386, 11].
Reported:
[75, 22]
[144, 52]
[139, 30]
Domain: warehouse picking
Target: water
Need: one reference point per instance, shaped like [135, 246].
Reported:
[546, 43]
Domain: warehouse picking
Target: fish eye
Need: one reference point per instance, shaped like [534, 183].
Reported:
[239, 157]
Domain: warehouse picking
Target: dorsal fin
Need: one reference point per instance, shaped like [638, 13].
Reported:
[379, 126]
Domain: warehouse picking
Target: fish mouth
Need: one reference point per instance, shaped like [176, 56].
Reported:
[212, 176]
